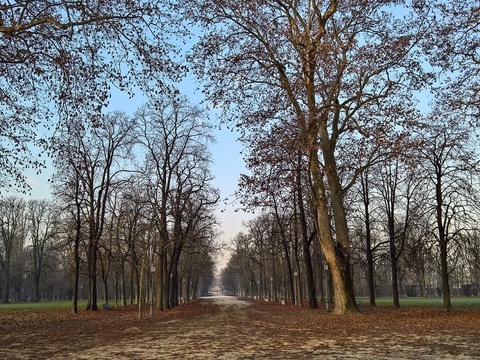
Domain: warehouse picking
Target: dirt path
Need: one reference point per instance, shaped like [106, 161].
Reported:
[221, 327]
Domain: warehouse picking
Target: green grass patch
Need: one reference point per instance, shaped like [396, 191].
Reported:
[460, 302]
[42, 305]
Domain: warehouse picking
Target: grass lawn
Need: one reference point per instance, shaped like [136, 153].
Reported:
[18, 306]
[461, 302]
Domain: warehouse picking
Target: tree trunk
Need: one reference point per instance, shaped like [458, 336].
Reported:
[76, 277]
[105, 289]
[115, 285]
[393, 259]
[36, 290]
[298, 282]
[132, 282]
[123, 285]
[160, 300]
[336, 250]
[318, 260]
[370, 270]
[289, 269]
[393, 250]
[368, 238]
[447, 299]
[92, 275]
[312, 298]
[443, 243]
[140, 289]
[291, 285]
[37, 274]
[93, 279]
[137, 287]
[6, 295]
[311, 290]
[188, 292]
[173, 298]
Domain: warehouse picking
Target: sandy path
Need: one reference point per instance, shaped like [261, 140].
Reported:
[205, 336]
[231, 328]
[222, 327]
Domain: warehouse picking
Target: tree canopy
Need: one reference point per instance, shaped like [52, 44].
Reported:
[60, 59]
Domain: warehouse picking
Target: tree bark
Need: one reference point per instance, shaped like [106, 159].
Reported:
[312, 298]
[368, 238]
[443, 243]
[447, 300]
[336, 250]
[76, 274]
[92, 277]
[290, 280]
[394, 262]
[6, 284]
[173, 297]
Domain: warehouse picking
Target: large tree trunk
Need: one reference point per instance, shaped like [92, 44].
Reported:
[319, 268]
[162, 296]
[188, 291]
[336, 250]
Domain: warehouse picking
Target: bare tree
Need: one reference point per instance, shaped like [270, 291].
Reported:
[12, 228]
[398, 188]
[42, 223]
[71, 198]
[448, 161]
[278, 166]
[95, 154]
[365, 193]
[192, 210]
[339, 68]
[173, 134]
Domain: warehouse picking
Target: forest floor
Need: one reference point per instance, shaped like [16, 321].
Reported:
[221, 327]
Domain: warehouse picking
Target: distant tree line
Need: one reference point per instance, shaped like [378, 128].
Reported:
[413, 221]
[132, 220]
